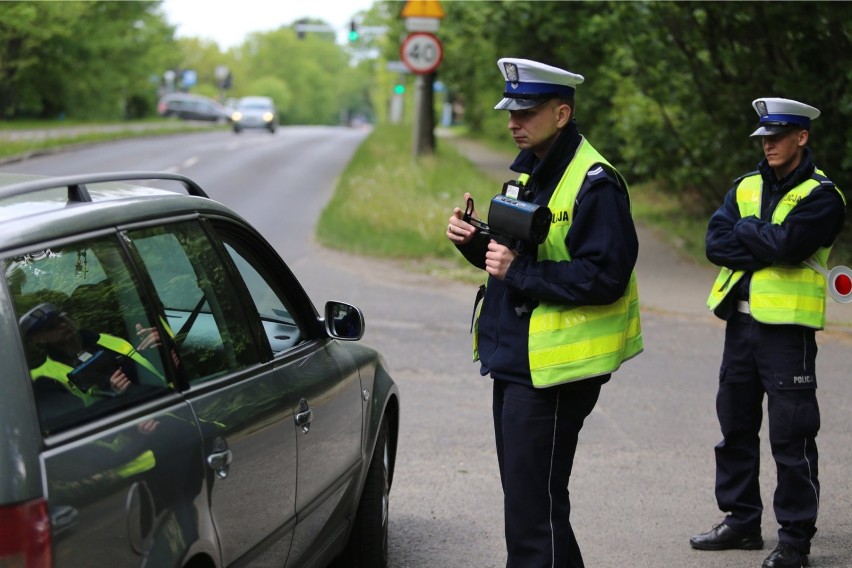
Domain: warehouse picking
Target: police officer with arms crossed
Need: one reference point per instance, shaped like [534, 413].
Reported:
[556, 319]
[772, 221]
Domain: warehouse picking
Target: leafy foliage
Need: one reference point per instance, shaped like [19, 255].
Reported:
[106, 60]
[668, 85]
[313, 70]
[89, 59]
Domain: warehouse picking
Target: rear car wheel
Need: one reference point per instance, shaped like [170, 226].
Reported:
[368, 542]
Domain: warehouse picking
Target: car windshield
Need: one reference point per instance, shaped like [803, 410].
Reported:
[255, 106]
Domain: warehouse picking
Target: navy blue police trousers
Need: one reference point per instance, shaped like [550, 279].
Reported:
[778, 361]
[536, 432]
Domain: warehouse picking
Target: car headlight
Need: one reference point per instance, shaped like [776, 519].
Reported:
[236, 116]
[267, 117]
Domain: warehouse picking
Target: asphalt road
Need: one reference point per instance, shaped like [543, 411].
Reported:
[643, 476]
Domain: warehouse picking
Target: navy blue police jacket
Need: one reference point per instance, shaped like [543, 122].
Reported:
[602, 243]
[753, 243]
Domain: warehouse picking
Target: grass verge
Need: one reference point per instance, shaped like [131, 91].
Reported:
[24, 139]
[392, 205]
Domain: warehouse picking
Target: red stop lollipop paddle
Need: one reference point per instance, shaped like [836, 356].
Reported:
[838, 280]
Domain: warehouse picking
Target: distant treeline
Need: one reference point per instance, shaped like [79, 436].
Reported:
[106, 60]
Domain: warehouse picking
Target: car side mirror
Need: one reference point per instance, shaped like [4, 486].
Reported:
[343, 321]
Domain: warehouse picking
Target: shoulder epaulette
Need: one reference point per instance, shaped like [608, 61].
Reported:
[597, 173]
[600, 173]
[824, 181]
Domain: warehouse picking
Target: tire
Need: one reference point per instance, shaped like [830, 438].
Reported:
[368, 541]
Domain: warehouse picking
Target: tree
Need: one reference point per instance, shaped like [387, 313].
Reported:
[82, 59]
[668, 85]
[311, 68]
[705, 62]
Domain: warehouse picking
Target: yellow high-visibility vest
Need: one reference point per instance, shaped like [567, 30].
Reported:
[778, 294]
[569, 343]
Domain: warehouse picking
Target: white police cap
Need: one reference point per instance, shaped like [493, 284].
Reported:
[778, 115]
[530, 83]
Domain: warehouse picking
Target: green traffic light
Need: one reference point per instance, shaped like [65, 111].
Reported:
[399, 89]
[353, 36]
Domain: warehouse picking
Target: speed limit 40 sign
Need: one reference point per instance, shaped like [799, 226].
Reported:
[421, 52]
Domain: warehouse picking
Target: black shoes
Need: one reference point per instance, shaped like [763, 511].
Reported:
[723, 537]
[785, 556]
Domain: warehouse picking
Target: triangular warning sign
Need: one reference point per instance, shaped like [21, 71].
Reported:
[422, 9]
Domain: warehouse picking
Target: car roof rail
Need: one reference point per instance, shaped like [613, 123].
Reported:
[76, 184]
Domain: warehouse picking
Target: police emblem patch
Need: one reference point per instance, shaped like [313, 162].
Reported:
[511, 73]
[761, 108]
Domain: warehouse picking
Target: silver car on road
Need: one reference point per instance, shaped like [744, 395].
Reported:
[255, 112]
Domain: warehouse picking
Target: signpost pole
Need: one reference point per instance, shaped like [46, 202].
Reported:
[424, 119]
[422, 52]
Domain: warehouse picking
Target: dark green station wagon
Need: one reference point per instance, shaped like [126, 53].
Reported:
[170, 395]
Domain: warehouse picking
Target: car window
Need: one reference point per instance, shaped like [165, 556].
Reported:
[91, 345]
[203, 312]
[279, 326]
[255, 106]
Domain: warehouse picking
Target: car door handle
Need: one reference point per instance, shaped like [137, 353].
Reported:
[304, 416]
[220, 463]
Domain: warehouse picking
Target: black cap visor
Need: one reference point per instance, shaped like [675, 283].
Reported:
[773, 129]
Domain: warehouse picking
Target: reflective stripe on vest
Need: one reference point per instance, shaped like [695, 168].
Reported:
[124, 348]
[569, 343]
[778, 294]
[140, 464]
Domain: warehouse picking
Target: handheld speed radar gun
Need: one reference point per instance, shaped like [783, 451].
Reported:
[511, 218]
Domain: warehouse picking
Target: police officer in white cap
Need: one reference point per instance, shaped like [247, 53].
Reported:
[771, 221]
[557, 318]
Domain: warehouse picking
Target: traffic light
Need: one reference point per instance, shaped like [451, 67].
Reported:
[399, 88]
[353, 31]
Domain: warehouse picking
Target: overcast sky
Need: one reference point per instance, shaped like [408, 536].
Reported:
[228, 22]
